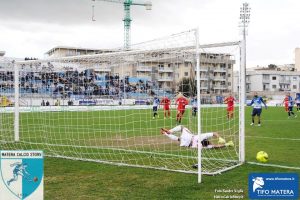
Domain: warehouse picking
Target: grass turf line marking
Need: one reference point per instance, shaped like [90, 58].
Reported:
[273, 165]
[274, 138]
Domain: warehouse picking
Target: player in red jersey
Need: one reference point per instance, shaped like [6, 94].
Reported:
[286, 103]
[230, 106]
[166, 105]
[181, 102]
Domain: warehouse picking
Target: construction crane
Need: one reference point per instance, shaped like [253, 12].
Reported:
[127, 19]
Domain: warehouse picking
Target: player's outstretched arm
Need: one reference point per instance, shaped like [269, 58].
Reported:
[264, 103]
[164, 131]
[221, 141]
[167, 133]
[252, 102]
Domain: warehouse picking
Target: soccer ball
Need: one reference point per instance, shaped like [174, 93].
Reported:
[35, 179]
[262, 156]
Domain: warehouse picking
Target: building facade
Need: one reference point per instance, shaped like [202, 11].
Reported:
[297, 59]
[271, 81]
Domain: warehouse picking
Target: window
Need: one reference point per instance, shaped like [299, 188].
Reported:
[274, 86]
[229, 84]
[229, 75]
[294, 78]
[186, 74]
[186, 64]
[266, 77]
[294, 86]
[274, 78]
[266, 87]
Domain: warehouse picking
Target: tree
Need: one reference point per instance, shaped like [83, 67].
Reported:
[188, 87]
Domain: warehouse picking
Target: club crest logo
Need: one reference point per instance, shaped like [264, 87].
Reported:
[258, 182]
[22, 174]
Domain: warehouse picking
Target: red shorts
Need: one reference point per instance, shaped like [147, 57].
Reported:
[166, 108]
[181, 111]
[230, 109]
[286, 108]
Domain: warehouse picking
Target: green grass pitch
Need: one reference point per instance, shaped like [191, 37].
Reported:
[68, 179]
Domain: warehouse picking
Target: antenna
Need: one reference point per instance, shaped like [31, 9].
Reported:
[93, 11]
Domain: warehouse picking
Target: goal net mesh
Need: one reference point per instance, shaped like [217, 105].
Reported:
[100, 107]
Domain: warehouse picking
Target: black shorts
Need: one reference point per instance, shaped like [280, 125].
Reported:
[195, 109]
[154, 108]
[290, 109]
[256, 111]
[298, 104]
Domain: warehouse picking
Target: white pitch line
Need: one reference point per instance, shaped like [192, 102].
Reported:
[274, 138]
[276, 120]
[273, 165]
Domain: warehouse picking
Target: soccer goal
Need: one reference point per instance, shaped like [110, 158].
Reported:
[101, 107]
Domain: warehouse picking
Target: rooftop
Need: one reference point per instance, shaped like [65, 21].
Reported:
[79, 49]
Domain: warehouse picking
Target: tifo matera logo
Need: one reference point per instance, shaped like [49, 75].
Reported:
[258, 182]
[273, 186]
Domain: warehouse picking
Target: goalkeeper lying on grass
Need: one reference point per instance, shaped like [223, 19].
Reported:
[188, 139]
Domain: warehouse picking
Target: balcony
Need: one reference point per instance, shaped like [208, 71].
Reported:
[219, 78]
[202, 78]
[283, 81]
[219, 69]
[266, 80]
[217, 60]
[220, 87]
[202, 69]
[165, 69]
[143, 69]
[165, 79]
[203, 87]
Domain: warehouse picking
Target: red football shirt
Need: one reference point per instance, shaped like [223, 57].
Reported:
[286, 101]
[181, 102]
[166, 103]
[230, 103]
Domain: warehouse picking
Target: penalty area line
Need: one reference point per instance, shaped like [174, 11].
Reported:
[273, 138]
[273, 165]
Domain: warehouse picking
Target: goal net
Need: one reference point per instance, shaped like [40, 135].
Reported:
[100, 107]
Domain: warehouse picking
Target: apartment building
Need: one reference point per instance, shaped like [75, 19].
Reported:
[297, 59]
[166, 70]
[270, 82]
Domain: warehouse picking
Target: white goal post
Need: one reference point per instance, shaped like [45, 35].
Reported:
[101, 107]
